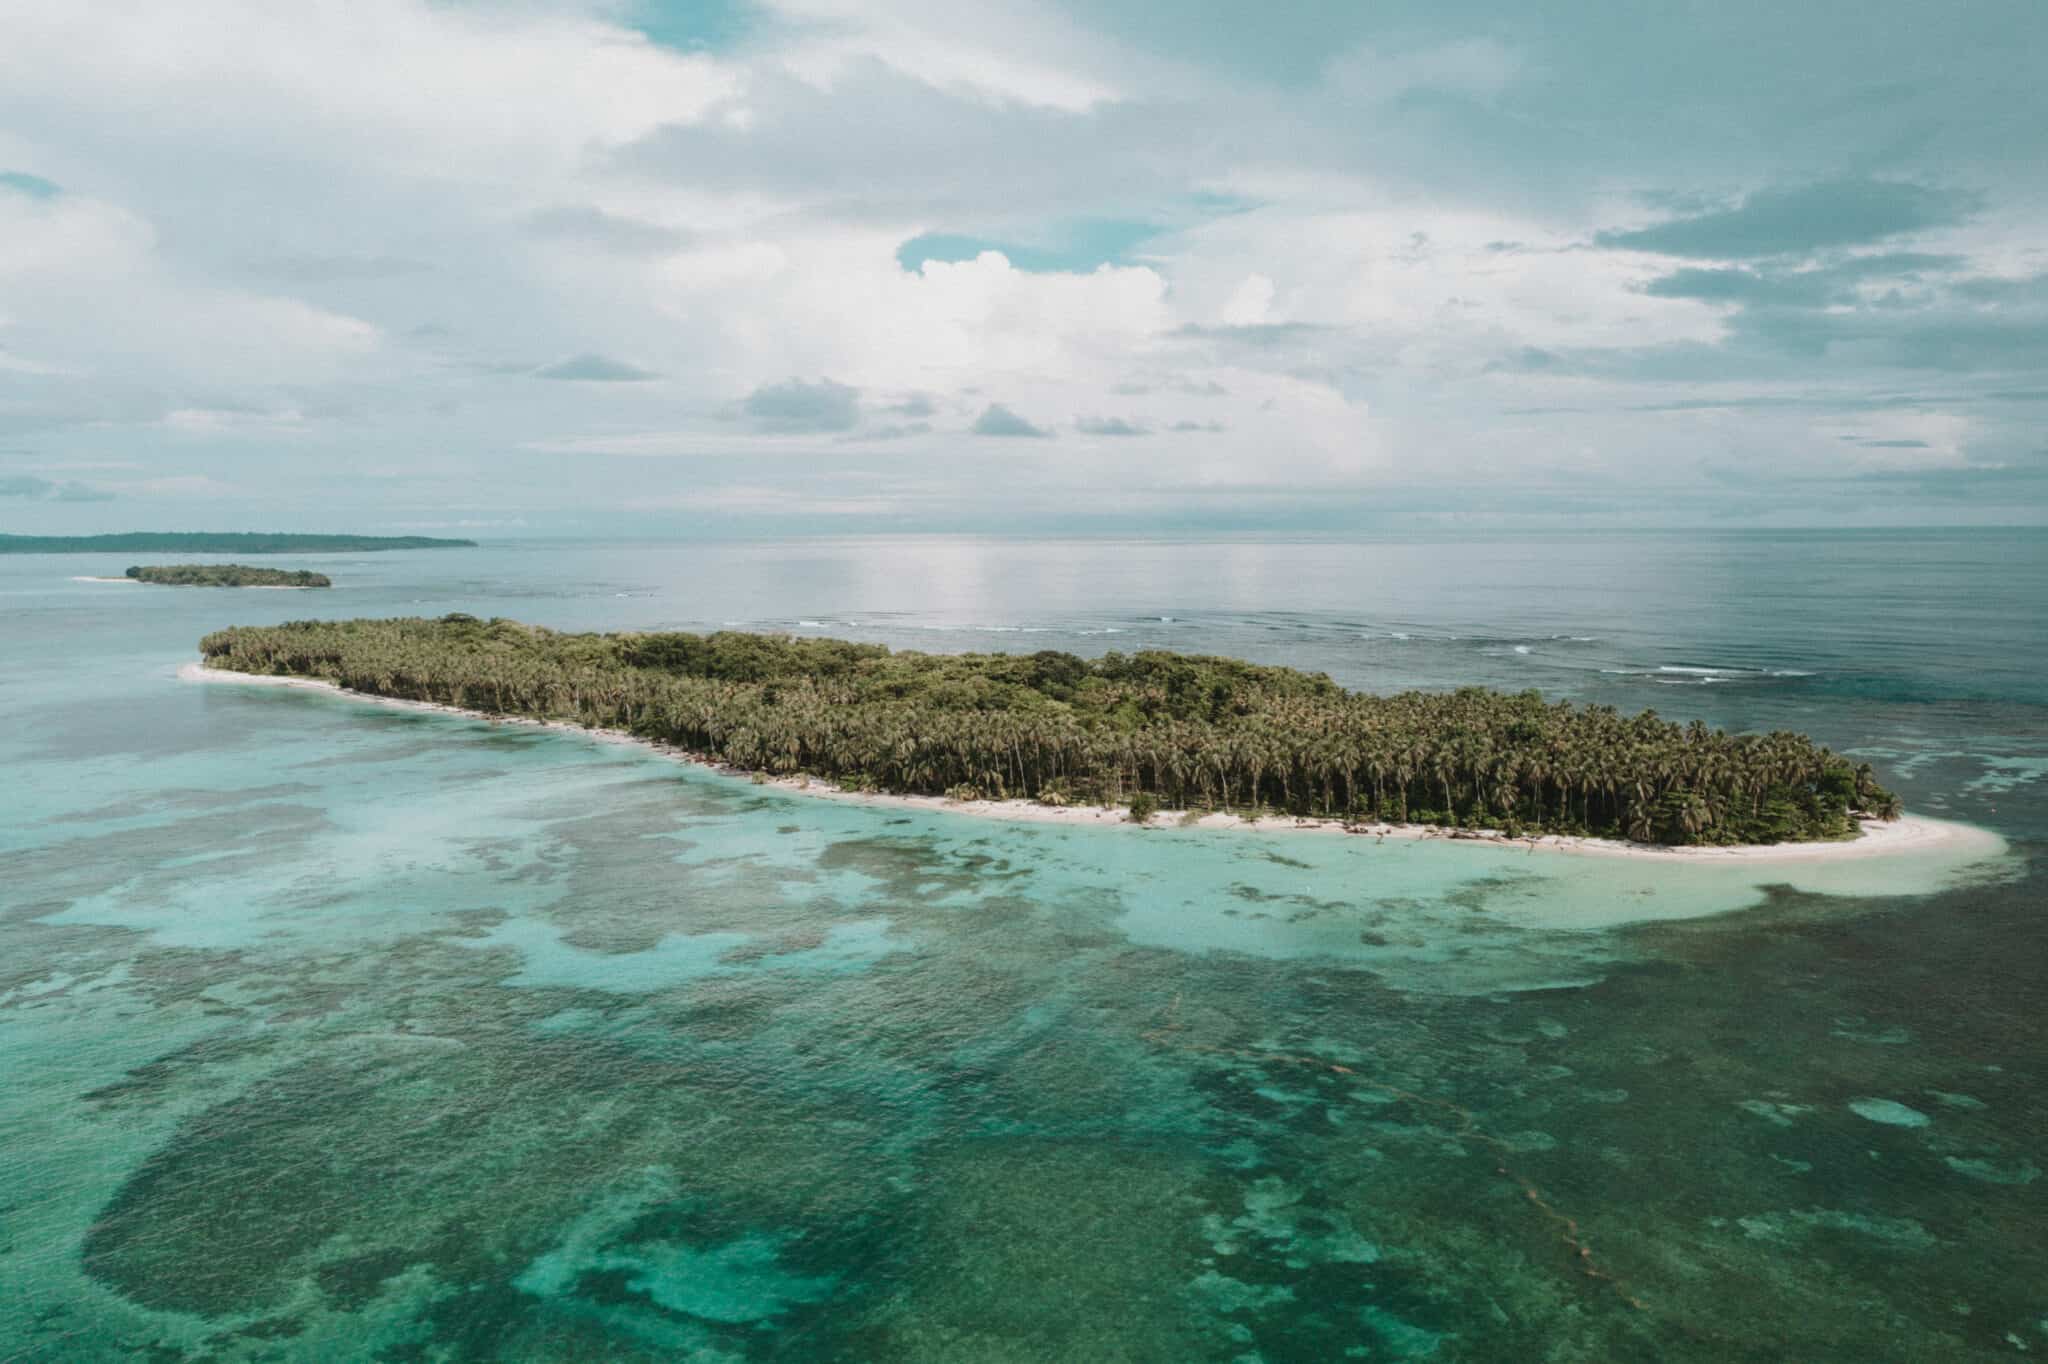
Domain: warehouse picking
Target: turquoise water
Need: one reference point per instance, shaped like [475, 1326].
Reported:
[331, 1031]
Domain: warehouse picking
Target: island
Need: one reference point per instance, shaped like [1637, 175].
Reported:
[230, 542]
[226, 575]
[1147, 731]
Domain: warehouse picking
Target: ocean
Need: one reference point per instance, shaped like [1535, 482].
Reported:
[330, 1031]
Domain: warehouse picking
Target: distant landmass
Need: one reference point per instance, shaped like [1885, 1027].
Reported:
[230, 542]
[227, 575]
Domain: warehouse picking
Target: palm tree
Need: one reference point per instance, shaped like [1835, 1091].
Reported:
[1208, 730]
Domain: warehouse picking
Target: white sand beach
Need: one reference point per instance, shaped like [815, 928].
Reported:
[1907, 834]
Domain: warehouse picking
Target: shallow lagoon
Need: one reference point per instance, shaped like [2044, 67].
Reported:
[333, 1031]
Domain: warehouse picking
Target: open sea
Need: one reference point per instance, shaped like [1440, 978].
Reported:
[331, 1031]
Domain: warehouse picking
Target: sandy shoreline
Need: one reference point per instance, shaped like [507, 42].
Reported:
[1910, 833]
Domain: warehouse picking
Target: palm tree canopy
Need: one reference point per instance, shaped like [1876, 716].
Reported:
[1184, 731]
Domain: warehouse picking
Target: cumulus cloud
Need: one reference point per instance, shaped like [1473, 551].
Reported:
[89, 294]
[1250, 304]
[997, 420]
[1370, 258]
[591, 368]
[797, 406]
[1108, 426]
[913, 405]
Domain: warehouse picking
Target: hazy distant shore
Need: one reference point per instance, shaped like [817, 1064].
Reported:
[221, 542]
[1909, 833]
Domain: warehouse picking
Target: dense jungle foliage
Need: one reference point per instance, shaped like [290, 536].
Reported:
[227, 575]
[1184, 731]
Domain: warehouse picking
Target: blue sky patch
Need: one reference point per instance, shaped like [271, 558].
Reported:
[34, 186]
[1075, 248]
[695, 25]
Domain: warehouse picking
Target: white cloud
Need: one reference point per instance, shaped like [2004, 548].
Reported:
[370, 225]
[208, 422]
[442, 89]
[1250, 304]
[996, 52]
[86, 290]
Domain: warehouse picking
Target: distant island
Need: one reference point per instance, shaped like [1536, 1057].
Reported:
[1149, 730]
[229, 542]
[227, 575]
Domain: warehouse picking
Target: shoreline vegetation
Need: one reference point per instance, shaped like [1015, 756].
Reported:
[227, 542]
[226, 575]
[1906, 834]
[1212, 738]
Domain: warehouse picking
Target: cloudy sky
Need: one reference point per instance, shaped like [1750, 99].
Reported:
[606, 266]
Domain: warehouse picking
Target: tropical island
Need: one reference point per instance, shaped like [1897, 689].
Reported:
[226, 575]
[1149, 730]
[229, 542]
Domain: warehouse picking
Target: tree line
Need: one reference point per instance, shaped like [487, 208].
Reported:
[1180, 730]
[227, 575]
